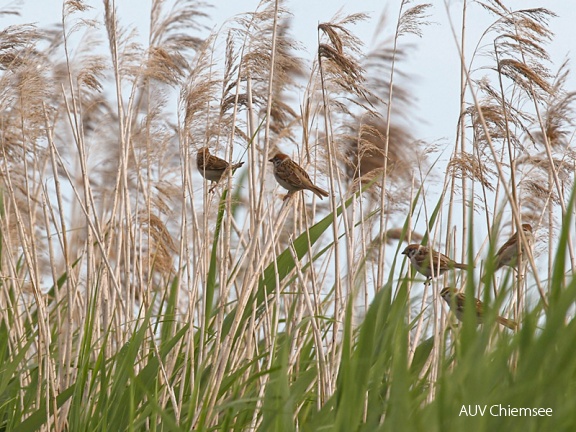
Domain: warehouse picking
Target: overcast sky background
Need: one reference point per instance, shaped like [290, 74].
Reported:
[433, 64]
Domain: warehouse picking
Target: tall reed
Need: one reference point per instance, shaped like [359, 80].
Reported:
[134, 298]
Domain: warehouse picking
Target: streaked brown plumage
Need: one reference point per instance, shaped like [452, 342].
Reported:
[212, 167]
[507, 255]
[292, 176]
[456, 300]
[420, 258]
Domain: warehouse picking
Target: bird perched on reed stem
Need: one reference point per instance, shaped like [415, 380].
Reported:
[456, 300]
[507, 255]
[429, 262]
[212, 167]
[292, 176]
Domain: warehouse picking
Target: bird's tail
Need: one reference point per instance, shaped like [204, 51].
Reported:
[512, 325]
[236, 166]
[318, 191]
[462, 266]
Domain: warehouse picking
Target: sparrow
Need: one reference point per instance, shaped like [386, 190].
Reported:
[420, 258]
[507, 255]
[212, 167]
[456, 300]
[292, 176]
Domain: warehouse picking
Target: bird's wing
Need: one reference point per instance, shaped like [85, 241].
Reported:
[479, 307]
[302, 176]
[215, 163]
[509, 242]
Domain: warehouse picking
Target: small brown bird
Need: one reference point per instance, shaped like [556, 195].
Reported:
[420, 258]
[292, 176]
[507, 255]
[456, 300]
[212, 167]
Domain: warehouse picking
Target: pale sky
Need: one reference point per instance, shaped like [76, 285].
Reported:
[434, 63]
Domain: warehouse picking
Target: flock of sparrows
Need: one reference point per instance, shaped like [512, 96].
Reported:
[425, 260]
[432, 264]
[288, 173]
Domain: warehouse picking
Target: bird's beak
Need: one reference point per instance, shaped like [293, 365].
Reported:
[405, 252]
[270, 160]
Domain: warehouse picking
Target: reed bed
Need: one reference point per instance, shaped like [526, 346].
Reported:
[134, 298]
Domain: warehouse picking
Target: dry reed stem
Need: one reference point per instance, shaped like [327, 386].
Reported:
[123, 214]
